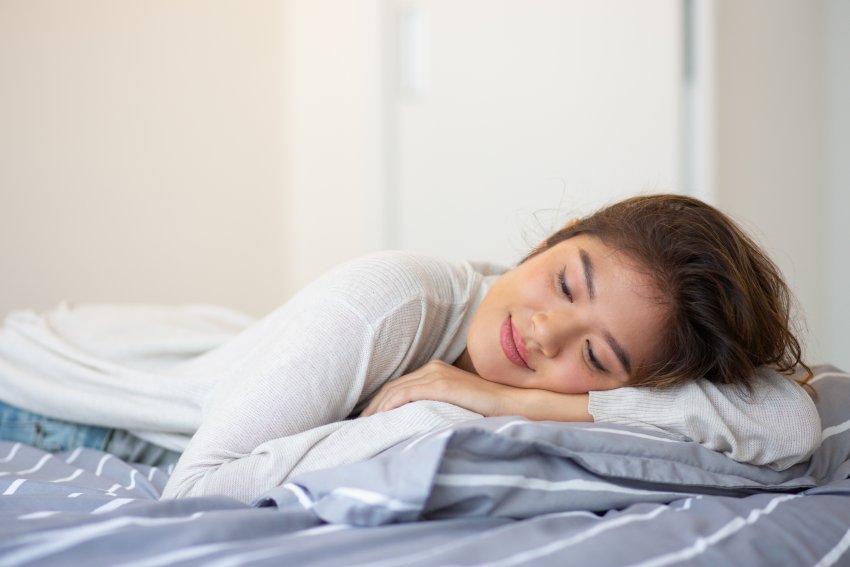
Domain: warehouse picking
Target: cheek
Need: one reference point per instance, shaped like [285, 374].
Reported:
[575, 378]
[481, 346]
[476, 336]
[574, 385]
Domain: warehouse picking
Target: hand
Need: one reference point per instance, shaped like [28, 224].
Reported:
[443, 382]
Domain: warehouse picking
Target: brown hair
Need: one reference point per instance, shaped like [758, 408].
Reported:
[729, 308]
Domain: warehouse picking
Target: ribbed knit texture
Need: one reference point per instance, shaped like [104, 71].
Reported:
[316, 359]
[777, 426]
[272, 400]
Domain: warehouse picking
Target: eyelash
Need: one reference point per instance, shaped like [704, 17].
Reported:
[593, 360]
[565, 289]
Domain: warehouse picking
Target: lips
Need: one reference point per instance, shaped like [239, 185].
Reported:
[511, 342]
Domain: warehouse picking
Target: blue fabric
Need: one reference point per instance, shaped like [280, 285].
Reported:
[131, 449]
[96, 511]
[53, 435]
[47, 433]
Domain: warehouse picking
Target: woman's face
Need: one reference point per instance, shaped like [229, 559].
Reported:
[575, 318]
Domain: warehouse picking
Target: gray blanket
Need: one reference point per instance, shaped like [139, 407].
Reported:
[496, 491]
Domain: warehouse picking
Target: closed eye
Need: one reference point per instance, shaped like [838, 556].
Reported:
[565, 288]
[591, 356]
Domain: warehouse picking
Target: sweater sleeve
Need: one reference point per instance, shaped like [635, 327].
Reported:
[778, 426]
[293, 371]
[287, 384]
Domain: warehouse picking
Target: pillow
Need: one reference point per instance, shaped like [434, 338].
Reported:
[514, 467]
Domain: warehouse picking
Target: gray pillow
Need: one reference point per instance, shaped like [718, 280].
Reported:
[513, 467]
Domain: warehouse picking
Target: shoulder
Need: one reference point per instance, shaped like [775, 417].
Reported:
[381, 281]
[404, 273]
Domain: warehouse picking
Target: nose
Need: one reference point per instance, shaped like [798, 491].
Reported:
[553, 331]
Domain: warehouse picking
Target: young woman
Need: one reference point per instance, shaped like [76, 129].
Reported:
[656, 311]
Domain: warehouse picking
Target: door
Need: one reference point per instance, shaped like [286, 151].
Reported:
[509, 117]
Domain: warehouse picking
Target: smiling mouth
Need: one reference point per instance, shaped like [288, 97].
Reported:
[511, 344]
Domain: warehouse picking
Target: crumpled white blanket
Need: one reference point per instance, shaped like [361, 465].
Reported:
[56, 363]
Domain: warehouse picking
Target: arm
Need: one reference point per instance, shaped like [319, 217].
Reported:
[309, 364]
[443, 382]
[778, 426]
[300, 368]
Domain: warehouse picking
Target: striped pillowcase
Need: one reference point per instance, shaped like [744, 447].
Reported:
[510, 467]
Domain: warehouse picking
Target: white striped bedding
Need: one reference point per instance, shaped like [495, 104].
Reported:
[499, 491]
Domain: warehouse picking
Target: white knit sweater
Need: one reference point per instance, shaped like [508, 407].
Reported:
[272, 401]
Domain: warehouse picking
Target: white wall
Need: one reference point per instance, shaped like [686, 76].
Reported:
[774, 164]
[552, 106]
[509, 124]
[141, 152]
[836, 225]
[333, 137]
[202, 150]
[769, 69]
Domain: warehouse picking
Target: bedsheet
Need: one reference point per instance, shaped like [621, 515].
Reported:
[108, 515]
[495, 491]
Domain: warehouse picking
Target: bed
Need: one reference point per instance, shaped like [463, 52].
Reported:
[494, 491]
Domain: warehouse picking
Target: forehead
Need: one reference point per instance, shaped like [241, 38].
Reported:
[602, 255]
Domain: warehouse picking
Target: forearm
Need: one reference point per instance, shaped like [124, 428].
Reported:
[778, 425]
[278, 381]
[443, 382]
[543, 405]
[246, 477]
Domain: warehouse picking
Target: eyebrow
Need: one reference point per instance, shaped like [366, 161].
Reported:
[588, 272]
[618, 349]
[620, 352]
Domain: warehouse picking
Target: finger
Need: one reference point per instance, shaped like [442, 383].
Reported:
[398, 391]
[398, 396]
[390, 396]
[371, 407]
